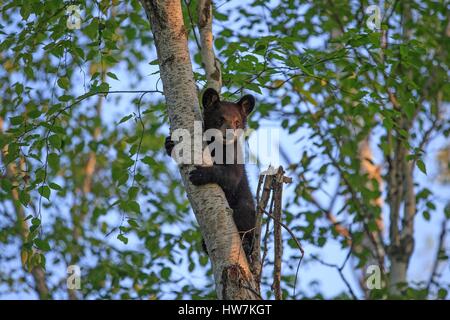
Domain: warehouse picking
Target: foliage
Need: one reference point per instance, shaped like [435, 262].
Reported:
[82, 135]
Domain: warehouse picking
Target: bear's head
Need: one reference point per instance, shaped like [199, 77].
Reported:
[230, 118]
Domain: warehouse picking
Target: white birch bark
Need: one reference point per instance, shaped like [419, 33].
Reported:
[209, 60]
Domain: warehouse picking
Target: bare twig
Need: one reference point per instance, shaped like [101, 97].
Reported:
[266, 240]
[274, 182]
[191, 20]
[278, 252]
[340, 270]
[261, 203]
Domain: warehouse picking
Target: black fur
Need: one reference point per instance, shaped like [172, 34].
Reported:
[232, 178]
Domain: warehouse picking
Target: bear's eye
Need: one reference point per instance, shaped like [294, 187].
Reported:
[221, 121]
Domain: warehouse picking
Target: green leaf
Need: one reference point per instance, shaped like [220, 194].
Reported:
[421, 166]
[91, 29]
[133, 223]
[112, 75]
[403, 133]
[55, 141]
[16, 120]
[34, 113]
[122, 238]
[111, 60]
[42, 244]
[63, 83]
[165, 273]
[65, 98]
[253, 87]
[55, 186]
[6, 184]
[220, 43]
[409, 109]
[321, 241]
[404, 51]
[220, 16]
[134, 206]
[36, 222]
[132, 192]
[25, 10]
[149, 161]
[53, 161]
[442, 293]
[116, 172]
[24, 198]
[44, 191]
[126, 118]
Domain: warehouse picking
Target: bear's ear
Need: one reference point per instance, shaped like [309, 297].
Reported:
[210, 97]
[247, 103]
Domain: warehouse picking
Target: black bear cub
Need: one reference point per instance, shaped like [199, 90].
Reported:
[229, 175]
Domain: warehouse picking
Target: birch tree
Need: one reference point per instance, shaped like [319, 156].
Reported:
[358, 92]
[232, 274]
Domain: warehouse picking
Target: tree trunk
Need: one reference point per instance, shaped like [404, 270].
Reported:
[401, 186]
[231, 270]
[372, 240]
[39, 277]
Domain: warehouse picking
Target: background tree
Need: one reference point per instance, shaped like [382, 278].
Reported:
[364, 114]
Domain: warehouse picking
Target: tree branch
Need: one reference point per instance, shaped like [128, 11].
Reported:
[209, 60]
